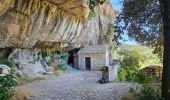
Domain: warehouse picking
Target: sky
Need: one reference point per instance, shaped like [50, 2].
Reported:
[118, 6]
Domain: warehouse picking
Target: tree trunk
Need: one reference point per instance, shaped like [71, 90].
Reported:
[165, 5]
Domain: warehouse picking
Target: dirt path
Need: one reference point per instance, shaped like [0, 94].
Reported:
[76, 85]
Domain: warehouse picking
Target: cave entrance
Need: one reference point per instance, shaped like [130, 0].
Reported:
[72, 58]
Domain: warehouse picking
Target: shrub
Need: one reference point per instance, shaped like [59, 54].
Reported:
[62, 67]
[141, 78]
[64, 56]
[7, 62]
[127, 74]
[147, 92]
[122, 74]
[63, 61]
[7, 86]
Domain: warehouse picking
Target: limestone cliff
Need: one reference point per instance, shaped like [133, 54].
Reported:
[35, 23]
[100, 30]
[52, 23]
[30, 26]
[101, 25]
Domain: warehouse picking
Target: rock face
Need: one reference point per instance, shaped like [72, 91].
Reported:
[52, 23]
[59, 24]
[100, 29]
[42, 23]
[29, 61]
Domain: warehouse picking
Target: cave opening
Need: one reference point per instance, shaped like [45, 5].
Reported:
[71, 58]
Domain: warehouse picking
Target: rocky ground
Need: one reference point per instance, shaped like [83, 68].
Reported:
[75, 85]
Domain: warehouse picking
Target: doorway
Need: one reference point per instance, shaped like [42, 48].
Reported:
[88, 63]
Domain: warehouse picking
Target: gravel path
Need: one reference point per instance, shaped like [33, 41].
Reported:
[76, 85]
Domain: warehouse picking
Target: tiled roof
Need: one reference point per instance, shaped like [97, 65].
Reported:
[93, 49]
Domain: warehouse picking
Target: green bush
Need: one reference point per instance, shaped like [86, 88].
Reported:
[63, 61]
[7, 62]
[62, 67]
[134, 75]
[64, 56]
[122, 74]
[147, 92]
[7, 86]
[141, 78]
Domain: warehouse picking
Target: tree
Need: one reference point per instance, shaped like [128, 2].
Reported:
[141, 20]
[137, 56]
[165, 5]
[134, 58]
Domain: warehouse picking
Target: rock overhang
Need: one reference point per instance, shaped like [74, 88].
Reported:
[32, 23]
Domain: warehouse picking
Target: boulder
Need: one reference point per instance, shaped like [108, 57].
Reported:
[29, 62]
[4, 69]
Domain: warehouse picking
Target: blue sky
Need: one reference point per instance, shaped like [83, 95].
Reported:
[118, 6]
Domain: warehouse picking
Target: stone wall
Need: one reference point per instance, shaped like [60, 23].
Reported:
[97, 61]
[113, 70]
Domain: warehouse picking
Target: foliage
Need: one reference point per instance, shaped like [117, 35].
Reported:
[147, 92]
[7, 86]
[62, 66]
[63, 61]
[122, 74]
[92, 14]
[141, 78]
[92, 5]
[141, 20]
[137, 57]
[64, 56]
[7, 62]
[50, 54]
[132, 75]
[133, 58]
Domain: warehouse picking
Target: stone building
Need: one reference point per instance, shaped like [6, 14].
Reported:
[92, 57]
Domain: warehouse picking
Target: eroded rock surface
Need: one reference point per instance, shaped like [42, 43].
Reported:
[29, 62]
[52, 23]
[60, 24]
[29, 23]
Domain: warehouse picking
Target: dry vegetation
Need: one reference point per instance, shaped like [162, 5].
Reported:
[55, 69]
[22, 95]
[29, 80]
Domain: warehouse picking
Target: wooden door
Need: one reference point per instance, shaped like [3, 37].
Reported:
[88, 63]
